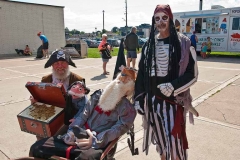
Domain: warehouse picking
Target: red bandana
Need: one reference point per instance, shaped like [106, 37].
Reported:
[164, 8]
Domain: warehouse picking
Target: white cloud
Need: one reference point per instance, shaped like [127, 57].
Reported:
[86, 15]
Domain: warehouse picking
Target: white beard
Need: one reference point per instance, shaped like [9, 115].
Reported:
[61, 77]
[113, 93]
[80, 95]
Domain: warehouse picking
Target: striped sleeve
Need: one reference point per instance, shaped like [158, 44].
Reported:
[190, 76]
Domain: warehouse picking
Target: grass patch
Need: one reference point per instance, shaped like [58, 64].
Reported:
[226, 54]
[94, 53]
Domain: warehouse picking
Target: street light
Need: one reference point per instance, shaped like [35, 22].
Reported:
[103, 19]
[125, 26]
[96, 31]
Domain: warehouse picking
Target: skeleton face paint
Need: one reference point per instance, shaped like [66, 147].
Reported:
[162, 21]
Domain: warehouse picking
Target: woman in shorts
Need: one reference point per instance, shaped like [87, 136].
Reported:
[104, 49]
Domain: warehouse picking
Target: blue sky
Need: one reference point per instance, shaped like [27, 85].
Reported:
[85, 15]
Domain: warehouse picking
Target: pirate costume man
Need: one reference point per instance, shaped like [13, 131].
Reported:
[167, 70]
[66, 79]
[61, 55]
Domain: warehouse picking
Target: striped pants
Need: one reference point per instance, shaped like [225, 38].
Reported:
[162, 122]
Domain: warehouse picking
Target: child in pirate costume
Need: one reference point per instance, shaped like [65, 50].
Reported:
[167, 69]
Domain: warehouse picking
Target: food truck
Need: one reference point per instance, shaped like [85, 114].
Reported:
[221, 25]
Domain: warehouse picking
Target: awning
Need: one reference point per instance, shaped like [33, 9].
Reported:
[203, 15]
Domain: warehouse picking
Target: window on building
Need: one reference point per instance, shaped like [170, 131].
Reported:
[236, 24]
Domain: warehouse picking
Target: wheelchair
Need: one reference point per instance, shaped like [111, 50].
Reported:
[107, 154]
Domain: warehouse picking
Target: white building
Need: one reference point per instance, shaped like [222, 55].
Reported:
[20, 22]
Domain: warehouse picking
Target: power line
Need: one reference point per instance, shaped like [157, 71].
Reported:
[126, 16]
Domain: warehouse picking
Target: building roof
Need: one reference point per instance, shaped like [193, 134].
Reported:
[33, 3]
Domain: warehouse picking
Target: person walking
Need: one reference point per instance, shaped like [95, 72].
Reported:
[104, 49]
[45, 44]
[194, 40]
[132, 46]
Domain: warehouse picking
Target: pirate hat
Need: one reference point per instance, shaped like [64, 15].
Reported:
[59, 55]
[87, 90]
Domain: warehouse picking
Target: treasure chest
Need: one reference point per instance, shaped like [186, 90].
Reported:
[45, 117]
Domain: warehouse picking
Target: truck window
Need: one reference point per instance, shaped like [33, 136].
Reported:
[177, 25]
[188, 25]
[236, 24]
[204, 25]
[212, 25]
[198, 25]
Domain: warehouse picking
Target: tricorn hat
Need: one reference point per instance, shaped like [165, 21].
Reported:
[87, 90]
[59, 55]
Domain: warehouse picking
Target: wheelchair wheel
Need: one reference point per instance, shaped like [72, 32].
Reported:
[111, 153]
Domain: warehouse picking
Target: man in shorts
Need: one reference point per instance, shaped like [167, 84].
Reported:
[131, 45]
[44, 44]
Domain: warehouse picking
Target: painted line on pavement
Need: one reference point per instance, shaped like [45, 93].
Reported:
[13, 71]
[98, 83]
[13, 77]
[25, 66]
[205, 81]
[231, 69]
[12, 102]
[229, 125]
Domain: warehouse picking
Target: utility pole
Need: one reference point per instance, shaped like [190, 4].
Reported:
[126, 15]
[200, 5]
[103, 19]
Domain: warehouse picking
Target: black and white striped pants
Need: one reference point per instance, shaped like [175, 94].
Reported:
[162, 122]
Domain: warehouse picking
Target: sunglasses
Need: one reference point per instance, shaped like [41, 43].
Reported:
[163, 18]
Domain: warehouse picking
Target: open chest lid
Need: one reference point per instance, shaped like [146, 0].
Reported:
[48, 93]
